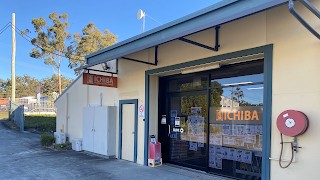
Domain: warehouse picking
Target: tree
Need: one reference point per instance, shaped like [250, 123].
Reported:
[51, 41]
[49, 85]
[91, 40]
[237, 94]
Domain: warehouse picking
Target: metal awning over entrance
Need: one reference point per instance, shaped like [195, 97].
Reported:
[212, 16]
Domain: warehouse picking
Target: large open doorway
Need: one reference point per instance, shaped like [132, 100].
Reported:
[220, 114]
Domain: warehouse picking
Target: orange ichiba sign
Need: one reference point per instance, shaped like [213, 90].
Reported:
[99, 80]
[238, 115]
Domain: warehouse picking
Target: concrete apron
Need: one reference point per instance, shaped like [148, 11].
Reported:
[22, 157]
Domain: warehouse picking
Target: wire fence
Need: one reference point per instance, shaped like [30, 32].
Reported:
[38, 107]
[4, 110]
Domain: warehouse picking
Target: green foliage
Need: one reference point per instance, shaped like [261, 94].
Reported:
[43, 123]
[46, 140]
[26, 86]
[91, 40]
[64, 146]
[50, 43]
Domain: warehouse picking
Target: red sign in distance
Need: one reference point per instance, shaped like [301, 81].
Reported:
[292, 123]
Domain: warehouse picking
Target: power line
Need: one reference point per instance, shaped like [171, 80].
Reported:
[36, 67]
[45, 49]
[15, 28]
[5, 28]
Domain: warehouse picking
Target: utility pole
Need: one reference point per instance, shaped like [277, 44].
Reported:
[13, 59]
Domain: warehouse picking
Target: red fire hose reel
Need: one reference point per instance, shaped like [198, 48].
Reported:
[292, 123]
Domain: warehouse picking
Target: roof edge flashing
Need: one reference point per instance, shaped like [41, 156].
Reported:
[178, 21]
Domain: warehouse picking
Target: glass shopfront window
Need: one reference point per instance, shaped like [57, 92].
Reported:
[235, 139]
[226, 137]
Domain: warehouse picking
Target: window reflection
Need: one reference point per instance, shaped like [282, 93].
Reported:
[197, 82]
[235, 127]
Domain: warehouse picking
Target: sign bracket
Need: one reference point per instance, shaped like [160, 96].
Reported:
[155, 58]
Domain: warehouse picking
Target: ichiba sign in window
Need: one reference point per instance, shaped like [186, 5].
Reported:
[99, 80]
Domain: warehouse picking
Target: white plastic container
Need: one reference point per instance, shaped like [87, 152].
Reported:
[77, 144]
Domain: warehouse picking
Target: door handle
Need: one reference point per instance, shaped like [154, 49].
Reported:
[169, 130]
[132, 132]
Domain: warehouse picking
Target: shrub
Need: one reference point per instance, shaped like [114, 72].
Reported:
[64, 146]
[47, 140]
[44, 123]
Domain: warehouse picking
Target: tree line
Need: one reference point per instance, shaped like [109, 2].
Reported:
[27, 86]
[53, 43]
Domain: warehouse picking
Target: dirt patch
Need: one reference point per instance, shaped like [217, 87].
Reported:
[11, 124]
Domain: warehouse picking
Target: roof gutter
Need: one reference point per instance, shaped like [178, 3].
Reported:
[300, 19]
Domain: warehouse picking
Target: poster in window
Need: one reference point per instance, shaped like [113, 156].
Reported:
[225, 140]
[239, 141]
[201, 141]
[247, 157]
[250, 138]
[193, 146]
[174, 113]
[218, 163]
[196, 111]
[232, 154]
[224, 152]
[218, 152]
[211, 161]
[218, 140]
[239, 155]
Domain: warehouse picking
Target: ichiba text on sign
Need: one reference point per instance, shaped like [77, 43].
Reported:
[99, 80]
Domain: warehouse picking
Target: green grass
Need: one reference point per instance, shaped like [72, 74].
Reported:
[43, 123]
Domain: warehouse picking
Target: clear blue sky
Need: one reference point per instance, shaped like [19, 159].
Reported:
[120, 17]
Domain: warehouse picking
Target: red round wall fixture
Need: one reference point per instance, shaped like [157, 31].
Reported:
[292, 123]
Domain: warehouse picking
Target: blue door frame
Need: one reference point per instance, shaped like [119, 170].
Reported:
[267, 97]
[135, 102]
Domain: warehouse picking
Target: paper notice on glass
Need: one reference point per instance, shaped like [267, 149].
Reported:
[196, 110]
[211, 161]
[218, 152]
[173, 135]
[218, 140]
[193, 146]
[239, 141]
[174, 113]
[177, 122]
[183, 137]
[201, 141]
[164, 119]
[211, 150]
[231, 140]
[218, 163]
[240, 130]
[193, 138]
[239, 155]
[247, 157]
[250, 138]
[226, 129]
[252, 129]
[232, 154]
[234, 130]
[224, 152]
[212, 138]
[225, 140]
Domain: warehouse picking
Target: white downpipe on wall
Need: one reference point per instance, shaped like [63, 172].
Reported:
[100, 102]
[67, 115]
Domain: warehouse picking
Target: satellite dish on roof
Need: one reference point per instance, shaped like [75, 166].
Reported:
[140, 14]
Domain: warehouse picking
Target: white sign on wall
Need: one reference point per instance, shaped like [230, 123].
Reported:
[141, 111]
